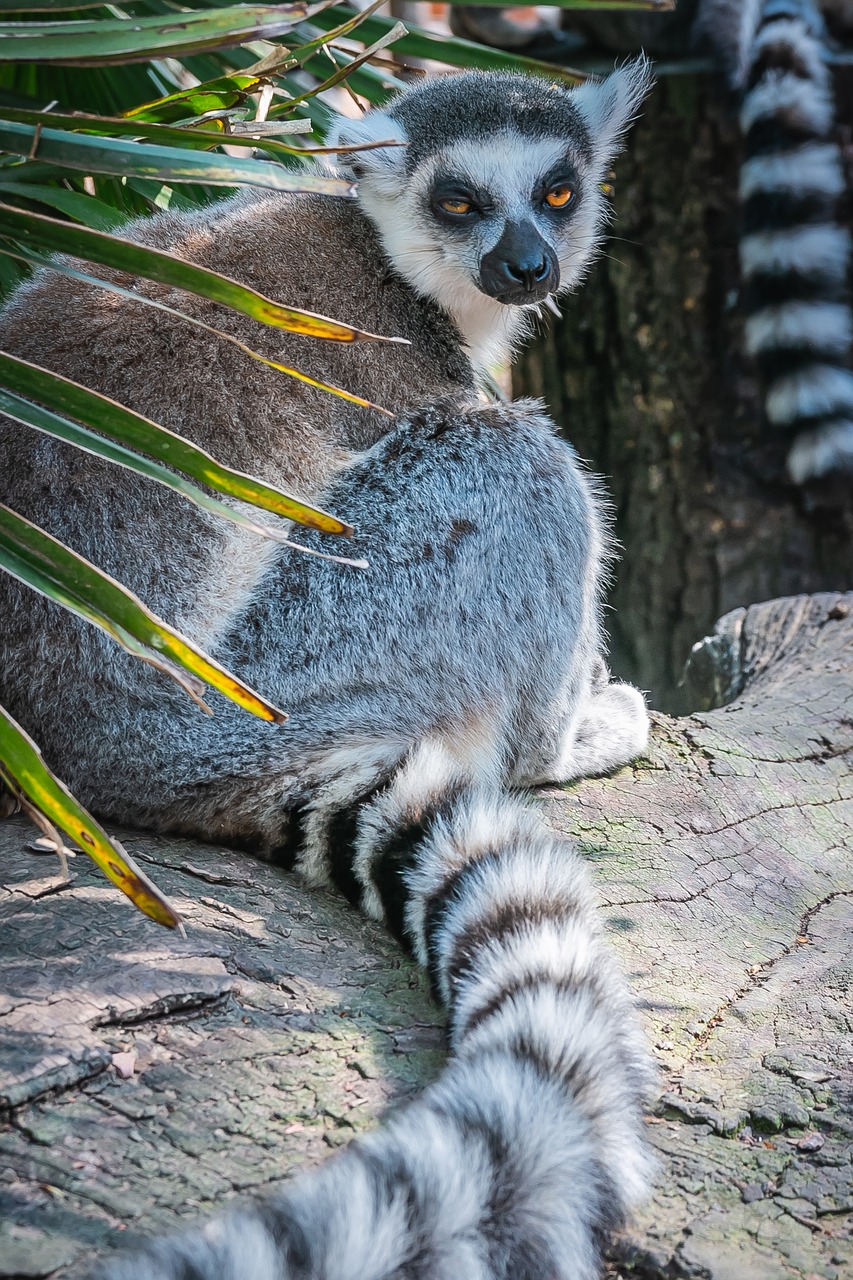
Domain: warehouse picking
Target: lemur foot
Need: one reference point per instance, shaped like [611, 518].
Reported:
[611, 730]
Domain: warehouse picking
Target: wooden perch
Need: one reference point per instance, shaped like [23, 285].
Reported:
[148, 1079]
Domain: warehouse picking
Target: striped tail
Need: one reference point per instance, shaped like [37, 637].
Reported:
[794, 254]
[529, 1149]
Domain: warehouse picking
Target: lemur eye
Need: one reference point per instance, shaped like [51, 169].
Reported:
[456, 206]
[560, 197]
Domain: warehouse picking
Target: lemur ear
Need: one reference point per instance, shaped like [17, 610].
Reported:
[609, 106]
[381, 163]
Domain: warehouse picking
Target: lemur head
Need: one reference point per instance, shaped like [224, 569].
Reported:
[495, 201]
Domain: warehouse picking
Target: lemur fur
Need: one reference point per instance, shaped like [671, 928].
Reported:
[467, 661]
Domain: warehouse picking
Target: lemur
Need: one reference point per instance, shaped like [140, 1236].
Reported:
[466, 662]
[794, 251]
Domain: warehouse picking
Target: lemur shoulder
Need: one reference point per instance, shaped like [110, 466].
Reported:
[467, 662]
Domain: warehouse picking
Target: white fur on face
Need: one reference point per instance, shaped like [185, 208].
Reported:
[444, 263]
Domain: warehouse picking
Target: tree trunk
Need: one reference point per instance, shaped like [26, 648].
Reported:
[645, 376]
[147, 1078]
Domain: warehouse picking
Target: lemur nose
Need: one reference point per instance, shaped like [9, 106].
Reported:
[527, 273]
[522, 268]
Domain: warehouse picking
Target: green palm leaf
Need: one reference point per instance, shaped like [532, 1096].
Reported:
[136, 432]
[48, 566]
[99, 41]
[23, 771]
[94, 246]
[169, 164]
[82, 208]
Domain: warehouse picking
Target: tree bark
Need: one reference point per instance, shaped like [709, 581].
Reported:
[147, 1079]
[645, 376]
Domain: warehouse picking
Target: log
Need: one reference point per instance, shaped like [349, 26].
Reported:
[646, 375]
[147, 1079]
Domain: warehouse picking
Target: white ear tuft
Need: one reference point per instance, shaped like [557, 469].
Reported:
[375, 126]
[609, 106]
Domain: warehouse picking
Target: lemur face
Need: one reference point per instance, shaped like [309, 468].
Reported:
[492, 200]
[505, 216]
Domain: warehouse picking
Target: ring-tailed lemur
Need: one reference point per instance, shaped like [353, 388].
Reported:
[795, 254]
[466, 661]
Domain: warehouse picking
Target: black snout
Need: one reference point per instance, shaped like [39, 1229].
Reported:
[521, 268]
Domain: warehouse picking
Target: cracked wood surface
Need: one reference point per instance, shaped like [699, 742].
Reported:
[147, 1079]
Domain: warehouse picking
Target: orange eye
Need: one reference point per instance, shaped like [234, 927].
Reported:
[560, 197]
[456, 206]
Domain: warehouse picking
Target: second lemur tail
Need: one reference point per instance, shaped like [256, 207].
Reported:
[795, 255]
[529, 1149]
